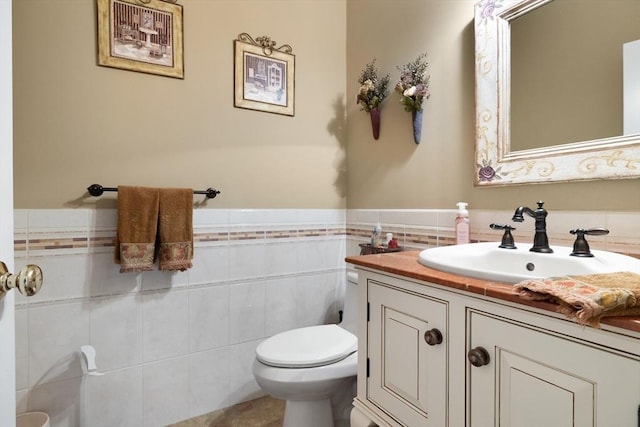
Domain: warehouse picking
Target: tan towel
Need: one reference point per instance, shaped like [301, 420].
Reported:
[587, 298]
[175, 233]
[137, 227]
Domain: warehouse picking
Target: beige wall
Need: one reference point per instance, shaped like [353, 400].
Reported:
[393, 172]
[77, 123]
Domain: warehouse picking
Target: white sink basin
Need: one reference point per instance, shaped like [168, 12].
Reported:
[489, 262]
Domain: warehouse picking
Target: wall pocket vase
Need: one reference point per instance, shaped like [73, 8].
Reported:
[375, 122]
[417, 125]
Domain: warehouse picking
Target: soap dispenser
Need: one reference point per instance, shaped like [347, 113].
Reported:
[462, 224]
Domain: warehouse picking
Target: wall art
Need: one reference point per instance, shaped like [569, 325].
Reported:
[264, 75]
[144, 36]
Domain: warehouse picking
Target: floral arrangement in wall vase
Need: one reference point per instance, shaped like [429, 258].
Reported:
[414, 88]
[373, 90]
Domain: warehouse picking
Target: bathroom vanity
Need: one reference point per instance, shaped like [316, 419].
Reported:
[436, 349]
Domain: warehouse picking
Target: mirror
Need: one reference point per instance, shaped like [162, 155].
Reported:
[601, 154]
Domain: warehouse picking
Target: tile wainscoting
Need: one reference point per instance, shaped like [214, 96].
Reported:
[174, 346]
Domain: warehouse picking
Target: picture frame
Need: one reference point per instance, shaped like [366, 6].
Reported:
[143, 36]
[264, 75]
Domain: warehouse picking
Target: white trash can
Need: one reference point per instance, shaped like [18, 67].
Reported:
[32, 419]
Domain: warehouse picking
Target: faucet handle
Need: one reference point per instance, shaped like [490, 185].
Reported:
[580, 246]
[507, 238]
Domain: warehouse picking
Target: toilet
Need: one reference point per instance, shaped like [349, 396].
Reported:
[313, 368]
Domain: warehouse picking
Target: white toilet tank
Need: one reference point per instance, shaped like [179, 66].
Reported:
[350, 310]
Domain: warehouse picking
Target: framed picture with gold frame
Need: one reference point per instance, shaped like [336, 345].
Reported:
[264, 75]
[143, 36]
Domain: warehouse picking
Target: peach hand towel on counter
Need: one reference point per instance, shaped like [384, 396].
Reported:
[137, 228]
[175, 229]
[587, 298]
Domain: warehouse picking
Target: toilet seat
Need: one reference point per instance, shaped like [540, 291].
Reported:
[307, 347]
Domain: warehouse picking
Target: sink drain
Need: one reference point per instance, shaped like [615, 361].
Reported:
[531, 266]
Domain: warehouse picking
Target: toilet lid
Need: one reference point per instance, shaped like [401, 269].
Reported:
[307, 347]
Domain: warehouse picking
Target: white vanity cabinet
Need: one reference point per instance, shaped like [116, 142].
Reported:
[407, 355]
[537, 377]
[490, 363]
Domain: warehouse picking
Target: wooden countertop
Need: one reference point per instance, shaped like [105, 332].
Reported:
[406, 264]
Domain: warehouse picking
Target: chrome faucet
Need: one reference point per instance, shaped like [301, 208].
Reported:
[540, 239]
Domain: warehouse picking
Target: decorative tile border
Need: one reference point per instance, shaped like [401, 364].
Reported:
[414, 234]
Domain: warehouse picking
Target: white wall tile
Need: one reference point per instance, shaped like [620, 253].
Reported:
[208, 318]
[58, 220]
[104, 277]
[422, 218]
[311, 255]
[246, 312]
[116, 331]
[210, 265]
[208, 381]
[242, 384]
[20, 220]
[64, 277]
[56, 333]
[210, 217]
[164, 325]
[114, 399]
[335, 253]
[103, 219]
[367, 216]
[313, 216]
[393, 217]
[247, 261]
[165, 392]
[241, 217]
[281, 258]
[157, 333]
[316, 295]
[281, 216]
[162, 280]
[281, 305]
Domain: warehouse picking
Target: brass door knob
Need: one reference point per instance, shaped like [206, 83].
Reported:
[28, 281]
[478, 356]
[433, 336]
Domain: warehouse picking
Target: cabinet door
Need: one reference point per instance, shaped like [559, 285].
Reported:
[535, 378]
[407, 375]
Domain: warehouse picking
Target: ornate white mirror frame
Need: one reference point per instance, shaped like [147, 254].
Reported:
[609, 158]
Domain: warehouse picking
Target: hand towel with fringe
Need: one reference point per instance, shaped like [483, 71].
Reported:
[175, 233]
[137, 228]
[587, 298]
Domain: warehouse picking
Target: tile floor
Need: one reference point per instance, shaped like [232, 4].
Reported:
[263, 412]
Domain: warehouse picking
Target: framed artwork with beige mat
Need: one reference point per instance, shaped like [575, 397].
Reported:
[264, 75]
[143, 36]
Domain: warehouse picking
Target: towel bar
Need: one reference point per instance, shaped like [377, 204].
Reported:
[97, 190]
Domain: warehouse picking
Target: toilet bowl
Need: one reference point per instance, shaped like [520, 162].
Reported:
[313, 368]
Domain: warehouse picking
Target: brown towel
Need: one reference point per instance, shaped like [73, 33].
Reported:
[587, 298]
[137, 226]
[176, 229]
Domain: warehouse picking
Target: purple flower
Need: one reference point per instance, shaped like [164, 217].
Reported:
[486, 173]
[488, 9]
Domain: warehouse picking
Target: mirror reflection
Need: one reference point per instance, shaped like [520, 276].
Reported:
[567, 68]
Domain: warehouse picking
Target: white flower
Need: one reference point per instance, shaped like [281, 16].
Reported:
[410, 92]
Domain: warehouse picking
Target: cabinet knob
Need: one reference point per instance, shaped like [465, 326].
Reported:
[28, 281]
[433, 336]
[478, 356]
